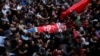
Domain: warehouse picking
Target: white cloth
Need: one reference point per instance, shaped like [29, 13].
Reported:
[81, 28]
[84, 42]
[38, 15]
[4, 11]
[7, 6]
[59, 27]
[44, 1]
[19, 7]
[24, 37]
[2, 41]
[11, 54]
[5, 19]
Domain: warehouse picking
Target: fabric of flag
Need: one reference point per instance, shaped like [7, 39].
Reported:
[78, 7]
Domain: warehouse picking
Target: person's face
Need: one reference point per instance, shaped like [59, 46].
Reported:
[21, 22]
[20, 42]
[25, 16]
[4, 17]
[3, 22]
[26, 45]
[17, 35]
[9, 13]
[3, 8]
[97, 11]
[32, 42]
[74, 29]
[18, 12]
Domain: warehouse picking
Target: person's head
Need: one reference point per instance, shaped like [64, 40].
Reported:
[19, 12]
[1, 31]
[19, 4]
[21, 22]
[29, 25]
[4, 16]
[17, 36]
[9, 13]
[33, 43]
[26, 45]
[20, 42]
[3, 7]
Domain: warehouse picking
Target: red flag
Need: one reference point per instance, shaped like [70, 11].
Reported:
[48, 28]
[78, 7]
[51, 28]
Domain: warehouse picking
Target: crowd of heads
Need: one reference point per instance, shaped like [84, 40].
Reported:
[81, 37]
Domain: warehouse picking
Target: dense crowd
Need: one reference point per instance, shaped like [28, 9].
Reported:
[81, 37]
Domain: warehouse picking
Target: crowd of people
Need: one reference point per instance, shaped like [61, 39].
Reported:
[81, 37]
